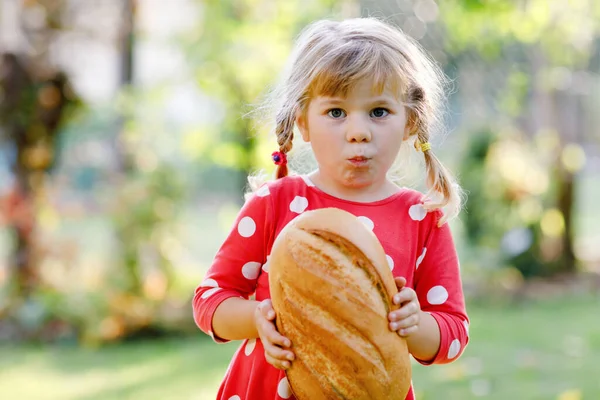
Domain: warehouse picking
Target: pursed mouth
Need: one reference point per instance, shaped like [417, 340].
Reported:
[359, 158]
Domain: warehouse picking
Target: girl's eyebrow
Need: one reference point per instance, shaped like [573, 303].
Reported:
[331, 100]
[340, 100]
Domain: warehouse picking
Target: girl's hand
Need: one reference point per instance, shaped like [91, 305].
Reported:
[273, 341]
[406, 319]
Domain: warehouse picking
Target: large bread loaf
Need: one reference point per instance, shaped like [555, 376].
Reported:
[331, 289]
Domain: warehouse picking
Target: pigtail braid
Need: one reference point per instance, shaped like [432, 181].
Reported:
[444, 190]
[442, 184]
[284, 129]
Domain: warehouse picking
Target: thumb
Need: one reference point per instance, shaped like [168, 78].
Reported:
[266, 308]
[400, 282]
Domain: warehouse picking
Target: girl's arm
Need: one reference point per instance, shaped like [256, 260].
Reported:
[234, 319]
[221, 304]
[443, 333]
[420, 329]
[425, 343]
[237, 319]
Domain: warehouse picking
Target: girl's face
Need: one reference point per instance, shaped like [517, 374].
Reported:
[355, 138]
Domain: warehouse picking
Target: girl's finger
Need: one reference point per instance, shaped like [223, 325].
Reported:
[413, 320]
[279, 364]
[405, 311]
[277, 353]
[404, 295]
[270, 332]
[266, 309]
[400, 282]
[408, 331]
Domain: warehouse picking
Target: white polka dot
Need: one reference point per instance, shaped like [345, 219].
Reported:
[307, 180]
[210, 292]
[417, 212]
[209, 283]
[246, 227]
[421, 257]
[211, 334]
[263, 191]
[283, 389]
[236, 397]
[299, 204]
[251, 269]
[437, 295]
[466, 324]
[367, 222]
[250, 345]
[390, 261]
[454, 349]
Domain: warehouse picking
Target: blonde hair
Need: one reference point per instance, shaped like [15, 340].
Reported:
[330, 57]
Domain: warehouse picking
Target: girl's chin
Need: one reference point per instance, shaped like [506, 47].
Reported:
[358, 181]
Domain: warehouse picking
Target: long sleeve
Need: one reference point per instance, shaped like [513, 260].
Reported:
[237, 264]
[439, 289]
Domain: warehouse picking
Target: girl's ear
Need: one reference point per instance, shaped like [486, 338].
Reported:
[411, 124]
[302, 125]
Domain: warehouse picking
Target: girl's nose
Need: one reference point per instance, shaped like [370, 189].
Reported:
[358, 130]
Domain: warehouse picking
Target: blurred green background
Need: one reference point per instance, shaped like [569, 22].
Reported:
[125, 145]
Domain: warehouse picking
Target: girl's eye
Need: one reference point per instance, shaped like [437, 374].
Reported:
[379, 112]
[336, 113]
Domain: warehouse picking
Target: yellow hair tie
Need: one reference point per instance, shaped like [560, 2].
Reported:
[425, 146]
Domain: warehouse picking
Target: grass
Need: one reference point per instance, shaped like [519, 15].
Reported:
[548, 350]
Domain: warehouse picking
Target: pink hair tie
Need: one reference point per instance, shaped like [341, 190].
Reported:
[279, 158]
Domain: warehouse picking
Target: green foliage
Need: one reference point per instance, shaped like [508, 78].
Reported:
[522, 190]
[473, 176]
[481, 25]
[144, 216]
[515, 93]
[565, 31]
[136, 292]
[511, 201]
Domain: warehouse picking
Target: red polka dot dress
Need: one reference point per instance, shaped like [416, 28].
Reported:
[415, 248]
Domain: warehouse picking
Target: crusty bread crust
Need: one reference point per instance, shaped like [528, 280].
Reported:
[331, 288]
